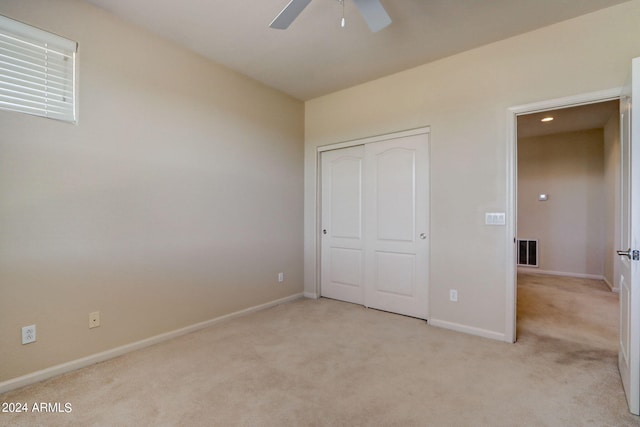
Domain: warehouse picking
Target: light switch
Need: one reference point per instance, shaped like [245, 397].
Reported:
[543, 197]
[494, 218]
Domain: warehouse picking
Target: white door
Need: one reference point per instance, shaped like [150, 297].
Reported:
[397, 225]
[375, 224]
[629, 260]
[342, 228]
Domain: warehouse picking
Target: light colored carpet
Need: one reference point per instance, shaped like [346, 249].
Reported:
[329, 363]
[579, 310]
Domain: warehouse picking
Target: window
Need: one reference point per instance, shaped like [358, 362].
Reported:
[37, 71]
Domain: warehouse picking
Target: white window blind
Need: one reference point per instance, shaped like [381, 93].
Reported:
[37, 71]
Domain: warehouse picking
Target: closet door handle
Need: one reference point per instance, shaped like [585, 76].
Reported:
[423, 236]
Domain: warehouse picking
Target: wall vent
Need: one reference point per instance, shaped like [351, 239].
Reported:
[528, 252]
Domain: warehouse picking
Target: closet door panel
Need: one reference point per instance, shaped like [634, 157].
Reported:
[342, 257]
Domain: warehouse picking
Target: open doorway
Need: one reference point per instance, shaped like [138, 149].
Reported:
[568, 180]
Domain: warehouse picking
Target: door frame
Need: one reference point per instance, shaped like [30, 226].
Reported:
[512, 187]
[346, 144]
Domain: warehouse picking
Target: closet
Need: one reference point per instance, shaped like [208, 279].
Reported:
[375, 223]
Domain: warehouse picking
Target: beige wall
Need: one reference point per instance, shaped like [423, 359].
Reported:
[176, 198]
[464, 99]
[570, 225]
[612, 200]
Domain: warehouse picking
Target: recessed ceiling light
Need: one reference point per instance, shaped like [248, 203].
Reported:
[547, 119]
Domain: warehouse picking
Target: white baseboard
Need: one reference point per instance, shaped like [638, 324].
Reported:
[560, 273]
[468, 330]
[73, 365]
[311, 295]
[611, 287]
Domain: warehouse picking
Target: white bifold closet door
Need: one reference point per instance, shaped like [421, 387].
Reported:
[375, 243]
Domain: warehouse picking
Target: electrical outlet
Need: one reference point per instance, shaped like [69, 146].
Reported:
[280, 277]
[28, 334]
[453, 295]
[94, 319]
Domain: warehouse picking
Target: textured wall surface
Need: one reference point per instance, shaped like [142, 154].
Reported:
[176, 198]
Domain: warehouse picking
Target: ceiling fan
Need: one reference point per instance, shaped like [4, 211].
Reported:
[371, 10]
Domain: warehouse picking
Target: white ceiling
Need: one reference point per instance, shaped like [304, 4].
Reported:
[572, 119]
[315, 56]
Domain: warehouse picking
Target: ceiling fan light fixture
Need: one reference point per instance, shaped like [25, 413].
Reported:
[371, 10]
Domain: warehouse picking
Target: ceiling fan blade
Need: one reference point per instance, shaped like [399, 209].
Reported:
[373, 13]
[289, 14]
